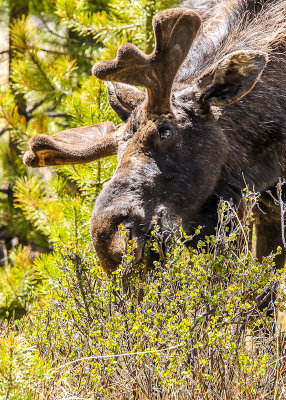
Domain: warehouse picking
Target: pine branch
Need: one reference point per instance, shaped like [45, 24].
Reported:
[57, 115]
[32, 108]
[3, 130]
[98, 33]
[65, 38]
[65, 53]
[5, 191]
[44, 75]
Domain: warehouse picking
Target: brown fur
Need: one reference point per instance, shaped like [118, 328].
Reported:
[203, 130]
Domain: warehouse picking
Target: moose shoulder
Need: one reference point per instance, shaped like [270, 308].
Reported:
[212, 119]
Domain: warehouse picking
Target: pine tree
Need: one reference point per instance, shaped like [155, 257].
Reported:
[53, 45]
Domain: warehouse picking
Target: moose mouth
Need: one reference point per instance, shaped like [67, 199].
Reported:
[119, 248]
[130, 249]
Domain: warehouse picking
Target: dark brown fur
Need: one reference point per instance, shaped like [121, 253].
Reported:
[223, 127]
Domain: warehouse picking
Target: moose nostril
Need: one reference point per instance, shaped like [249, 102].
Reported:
[127, 232]
[120, 240]
[112, 236]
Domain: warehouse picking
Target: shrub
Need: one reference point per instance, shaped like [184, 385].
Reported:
[188, 328]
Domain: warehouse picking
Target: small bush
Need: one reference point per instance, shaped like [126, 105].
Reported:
[188, 328]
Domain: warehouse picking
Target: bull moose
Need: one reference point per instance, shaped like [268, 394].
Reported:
[212, 119]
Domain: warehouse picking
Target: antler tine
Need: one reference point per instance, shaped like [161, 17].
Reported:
[175, 30]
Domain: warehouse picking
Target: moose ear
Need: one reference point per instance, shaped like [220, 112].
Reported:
[124, 98]
[231, 78]
[72, 146]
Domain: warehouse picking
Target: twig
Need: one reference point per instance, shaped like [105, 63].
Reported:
[279, 202]
[137, 353]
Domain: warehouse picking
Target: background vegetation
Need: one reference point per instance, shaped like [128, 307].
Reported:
[190, 328]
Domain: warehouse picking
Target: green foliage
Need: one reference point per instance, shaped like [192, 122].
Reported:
[18, 281]
[51, 88]
[19, 366]
[189, 327]
[123, 21]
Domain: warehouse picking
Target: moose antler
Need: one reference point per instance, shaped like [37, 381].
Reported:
[72, 146]
[175, 30]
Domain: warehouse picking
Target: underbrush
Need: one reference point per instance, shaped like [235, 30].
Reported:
[191, 327]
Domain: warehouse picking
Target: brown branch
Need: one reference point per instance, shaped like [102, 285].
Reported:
[3, 130]
[279, 202]
[60, 52]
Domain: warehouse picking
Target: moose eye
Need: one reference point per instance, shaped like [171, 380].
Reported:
[165, 133]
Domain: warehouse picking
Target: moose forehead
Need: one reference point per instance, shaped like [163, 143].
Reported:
[145, 134]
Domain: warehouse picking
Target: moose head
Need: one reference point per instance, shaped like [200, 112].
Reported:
[171, 149]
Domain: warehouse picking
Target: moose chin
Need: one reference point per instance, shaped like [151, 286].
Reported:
[212, 118]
